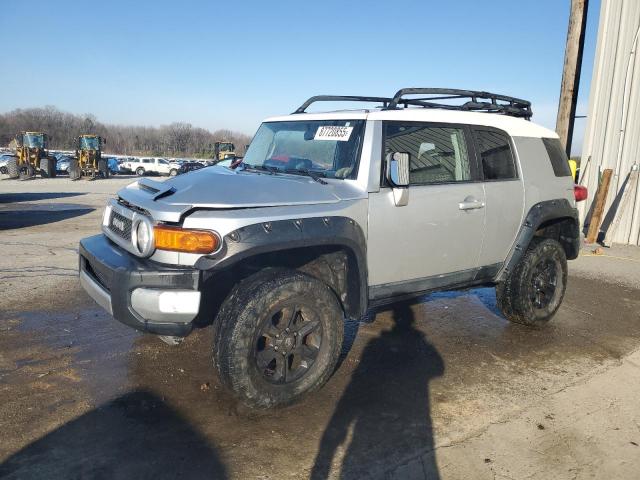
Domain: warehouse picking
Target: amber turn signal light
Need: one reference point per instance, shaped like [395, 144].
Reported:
[178, 239]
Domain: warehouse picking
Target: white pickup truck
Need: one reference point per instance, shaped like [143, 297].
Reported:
[144, 166]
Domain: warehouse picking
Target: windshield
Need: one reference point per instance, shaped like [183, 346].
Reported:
[326, 147]
[226, 147]
[89, 143]
[33, 140]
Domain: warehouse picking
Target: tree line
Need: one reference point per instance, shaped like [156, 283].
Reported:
[178, 139]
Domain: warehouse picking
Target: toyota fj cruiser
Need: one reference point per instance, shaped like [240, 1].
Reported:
[332, 213]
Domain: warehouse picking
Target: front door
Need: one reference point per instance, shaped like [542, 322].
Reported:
[436, 239]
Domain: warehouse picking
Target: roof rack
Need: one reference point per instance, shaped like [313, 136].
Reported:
[502, 104]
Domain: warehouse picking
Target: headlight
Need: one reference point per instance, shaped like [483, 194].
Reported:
[142, 237]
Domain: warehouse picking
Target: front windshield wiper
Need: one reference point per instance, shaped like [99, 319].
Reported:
[261, 168]
[315, 174]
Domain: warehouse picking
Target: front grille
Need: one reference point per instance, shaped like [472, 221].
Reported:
[120, 225]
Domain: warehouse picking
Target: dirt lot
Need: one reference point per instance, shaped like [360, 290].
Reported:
[442, 388]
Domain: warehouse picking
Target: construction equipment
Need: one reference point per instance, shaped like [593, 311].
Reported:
[31, 157]
[89, 161]
[222, 150]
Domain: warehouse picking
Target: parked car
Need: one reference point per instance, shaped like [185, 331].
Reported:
[145, 166]
[63, 162]
[113, 166]
[331, 214]
[189, 166]
[4, 159]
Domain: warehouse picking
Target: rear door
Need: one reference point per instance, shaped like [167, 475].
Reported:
[504, 193]
[436, 238]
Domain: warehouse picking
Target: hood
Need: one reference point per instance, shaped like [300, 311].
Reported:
[222, 188]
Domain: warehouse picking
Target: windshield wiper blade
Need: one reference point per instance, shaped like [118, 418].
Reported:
[316, 175]
[260, 168]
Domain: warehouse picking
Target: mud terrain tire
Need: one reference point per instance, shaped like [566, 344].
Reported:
[533, 292]
[74, 169]
[12, 168]
[267, 314]
[103, 168]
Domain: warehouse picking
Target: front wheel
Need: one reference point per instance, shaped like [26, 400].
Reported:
[173, 172]
[533, 292]
[47, 168]
[140, 172]
[278, 336]
[12, 168]
[74, 170]
[103, 168]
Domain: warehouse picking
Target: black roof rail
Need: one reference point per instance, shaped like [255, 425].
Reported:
[342, 98]
[514, 107]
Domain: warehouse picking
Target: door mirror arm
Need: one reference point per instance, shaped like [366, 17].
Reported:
[397, 173]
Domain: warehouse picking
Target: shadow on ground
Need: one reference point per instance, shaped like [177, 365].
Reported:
[385, 408]
[136, 435]
[35, 214]
[35, 196]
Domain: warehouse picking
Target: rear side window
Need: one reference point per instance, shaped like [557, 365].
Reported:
[494, 150]
[558, 157]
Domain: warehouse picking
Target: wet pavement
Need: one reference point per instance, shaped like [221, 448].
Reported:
[82, 396]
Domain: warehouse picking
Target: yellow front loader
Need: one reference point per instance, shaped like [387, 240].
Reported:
[222, 150]
[31, 157]
[89, 161]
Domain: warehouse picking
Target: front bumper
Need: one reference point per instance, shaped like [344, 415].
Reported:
[140, 293]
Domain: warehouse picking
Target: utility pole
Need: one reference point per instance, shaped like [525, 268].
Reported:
[571, 72]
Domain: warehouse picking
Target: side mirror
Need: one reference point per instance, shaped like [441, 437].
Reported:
[398, 169]
[398, 177]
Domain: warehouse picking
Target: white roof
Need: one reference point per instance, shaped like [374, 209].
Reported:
[516, 127]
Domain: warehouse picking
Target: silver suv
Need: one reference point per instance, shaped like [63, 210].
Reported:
[331, 214]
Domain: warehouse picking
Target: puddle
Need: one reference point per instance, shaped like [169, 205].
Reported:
[98, 347]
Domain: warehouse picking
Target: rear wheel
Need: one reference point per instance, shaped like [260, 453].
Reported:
[12, 168]
[533, 292]
[74, 170]
[103, 168]
[140, 171]
[277, 337]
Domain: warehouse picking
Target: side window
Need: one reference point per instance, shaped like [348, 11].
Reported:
[436, 154]
[146, 160]
[494, 150]
[558, 157]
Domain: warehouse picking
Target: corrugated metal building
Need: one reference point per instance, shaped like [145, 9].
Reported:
[612, 136]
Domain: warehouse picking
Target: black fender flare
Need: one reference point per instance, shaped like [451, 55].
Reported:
[538, 214]
[282, 235]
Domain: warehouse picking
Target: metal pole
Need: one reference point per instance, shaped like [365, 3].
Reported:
[571, 72]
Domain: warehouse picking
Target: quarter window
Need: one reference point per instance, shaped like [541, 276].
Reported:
[436, 154]
[494, 150]
[558, 157]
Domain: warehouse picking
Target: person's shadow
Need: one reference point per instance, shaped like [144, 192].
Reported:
[382, 422]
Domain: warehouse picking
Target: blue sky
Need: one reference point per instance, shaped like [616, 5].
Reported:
[230, 64]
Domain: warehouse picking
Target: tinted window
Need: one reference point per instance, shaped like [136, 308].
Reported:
[436, 154]
[558, 157]
[495, 152]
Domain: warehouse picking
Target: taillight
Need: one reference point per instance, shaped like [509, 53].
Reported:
[580, 193]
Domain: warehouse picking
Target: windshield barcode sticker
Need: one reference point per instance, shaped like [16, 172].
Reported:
[341, 134]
